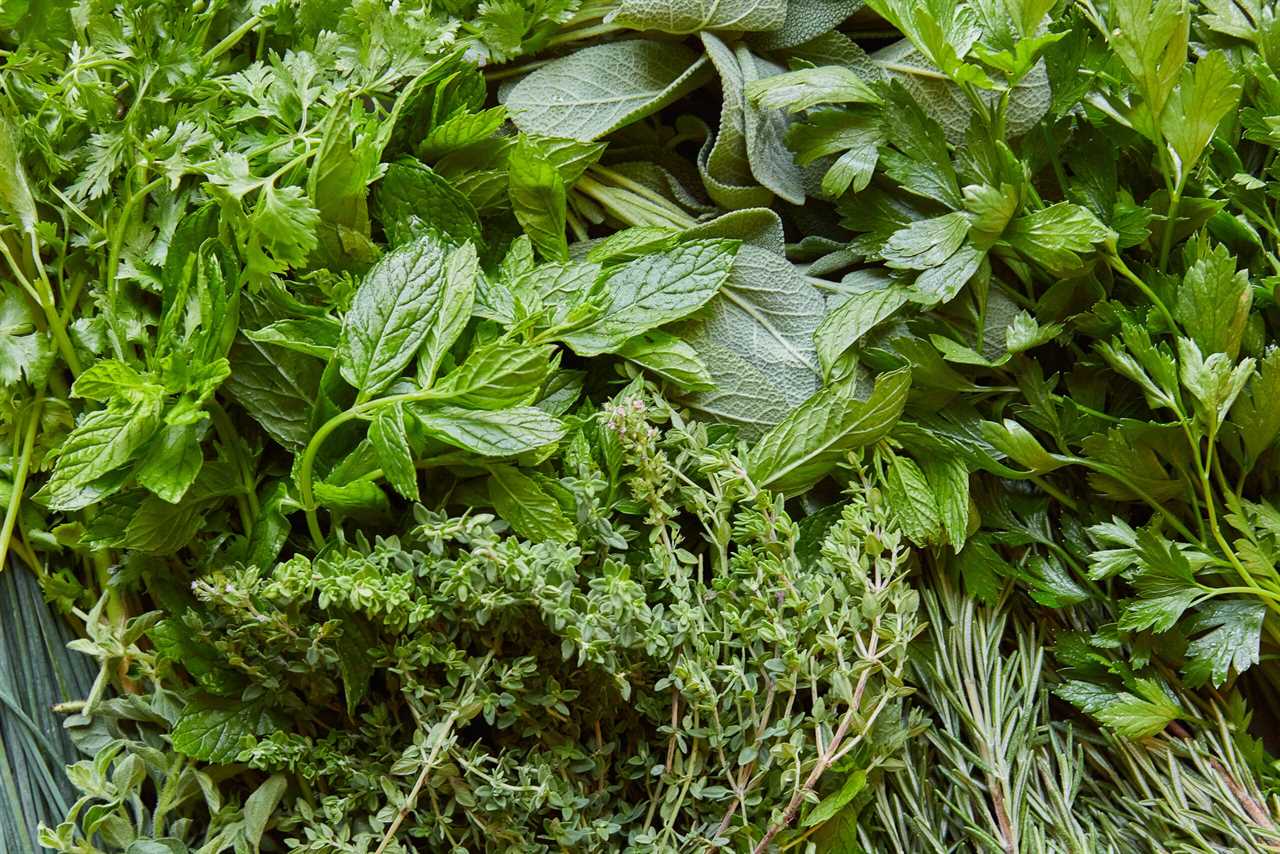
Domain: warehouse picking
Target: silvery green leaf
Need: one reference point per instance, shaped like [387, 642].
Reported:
[597, 90]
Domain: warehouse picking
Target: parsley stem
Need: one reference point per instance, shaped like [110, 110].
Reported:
[232, 38]
[1122, 268]
[1166, 244]
[113, 261]
[20, 471]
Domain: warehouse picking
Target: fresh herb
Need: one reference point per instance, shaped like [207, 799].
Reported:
[657, 426]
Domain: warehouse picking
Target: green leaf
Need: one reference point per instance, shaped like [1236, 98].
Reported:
[1150, 37]
[692, 16]
[391, 448]
[102, 441]
[809, 87]
[1232, 638]
[493, 433]
[175, 642]
[855, 137]
[948, 479]
[211, 729]
[530, 510]
[15, 192]
[983, 570]
[911, 501]
[926, 243]
[25, 354]
[826, 808]
[411, 197]
[597, 90]
[356, 647]
[1213, 303]
[812, 440]
[259, 807]
[537, 195]
[314, 336]
[172, 461]
[1016, 442]
[392, 314]
[456, 299]
[1255, 414]
[357, 498]
[854, 318]
[653, 290]
[277, 387]
[1205, 94]
[756, 339]
[497, 375]
[1137, 715]
[1214, 383]
[669, 357]
[1056, 236]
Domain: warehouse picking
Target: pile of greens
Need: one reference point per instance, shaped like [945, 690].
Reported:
[564, 425]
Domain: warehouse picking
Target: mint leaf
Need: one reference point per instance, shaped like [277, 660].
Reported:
[653, 290]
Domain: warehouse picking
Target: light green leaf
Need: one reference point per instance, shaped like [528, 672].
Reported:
[1056, 236]
[537, 195]
[497, 375]
[172, 461]
[756, 339]
[653, 290]
[597, 90]
[1204, 96]
[800, 90]
[102, 441]
[854, 318]
[911, 501]
[493, 433]
[1016, 442]
[528, 508]
[671, 358]
[1213, 303]
[314, 336]
[391, 448]
[456, 301]
[260, 805]
[948, 479]
[837, 800]
[25, 354]
[926, 243]
[812, 440]
[392, 314]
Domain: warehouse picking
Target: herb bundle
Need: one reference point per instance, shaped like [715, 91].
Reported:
[665, 426]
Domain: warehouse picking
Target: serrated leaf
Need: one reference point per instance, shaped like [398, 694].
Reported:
[391, 448]
[528, 508]
[812, 440]
[392, 314]
[493, 433]
[654, 290]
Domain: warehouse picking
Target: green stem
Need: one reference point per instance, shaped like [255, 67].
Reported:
[1123, 269]
[248, 502]
[571, 36]
[232, 39]
[20, 479]
[1166, 243]
[113, 258]
[362, 409]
